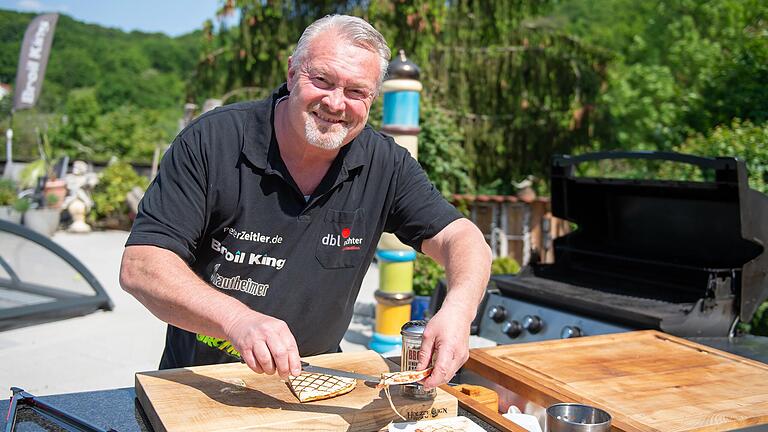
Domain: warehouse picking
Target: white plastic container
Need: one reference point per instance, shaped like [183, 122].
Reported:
[526, 421]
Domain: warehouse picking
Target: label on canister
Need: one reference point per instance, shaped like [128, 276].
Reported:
[413, 334]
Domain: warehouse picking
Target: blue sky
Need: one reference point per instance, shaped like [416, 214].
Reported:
[173, 17]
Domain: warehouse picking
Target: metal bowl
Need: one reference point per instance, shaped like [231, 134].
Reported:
[572, 417]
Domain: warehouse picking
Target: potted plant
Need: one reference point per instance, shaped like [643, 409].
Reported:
[7, 200]
[21, 205]
[44, 219]
[40, 174]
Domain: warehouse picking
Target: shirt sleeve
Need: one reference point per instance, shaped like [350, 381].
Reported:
[419, 211]
[172, 213]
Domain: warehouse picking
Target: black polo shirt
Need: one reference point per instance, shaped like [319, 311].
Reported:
[224, 202]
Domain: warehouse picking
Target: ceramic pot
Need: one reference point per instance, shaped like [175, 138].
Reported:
[43, 220]
[7, 213]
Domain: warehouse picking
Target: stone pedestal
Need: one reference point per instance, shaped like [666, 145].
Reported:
[77, 210]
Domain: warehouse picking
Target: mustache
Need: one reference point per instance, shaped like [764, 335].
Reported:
[319, 108]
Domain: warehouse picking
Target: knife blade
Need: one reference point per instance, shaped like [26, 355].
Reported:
[306, 367]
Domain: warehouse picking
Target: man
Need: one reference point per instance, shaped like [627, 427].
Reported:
[255, 236]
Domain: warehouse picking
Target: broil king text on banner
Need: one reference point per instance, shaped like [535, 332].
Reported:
[33, 59]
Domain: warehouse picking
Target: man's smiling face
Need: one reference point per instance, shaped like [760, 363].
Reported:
[332, 91]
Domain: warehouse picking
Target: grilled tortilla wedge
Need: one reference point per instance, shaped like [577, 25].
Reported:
[313, 386]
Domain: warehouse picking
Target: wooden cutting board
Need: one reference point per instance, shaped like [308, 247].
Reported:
[231, 397]
[646, 380]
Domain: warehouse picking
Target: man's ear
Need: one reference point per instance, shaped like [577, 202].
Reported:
[291, 72]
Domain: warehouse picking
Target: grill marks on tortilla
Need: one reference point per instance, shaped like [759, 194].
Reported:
[403, 377]
[313, 386]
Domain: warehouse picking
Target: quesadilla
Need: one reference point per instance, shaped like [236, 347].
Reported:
[313, 386]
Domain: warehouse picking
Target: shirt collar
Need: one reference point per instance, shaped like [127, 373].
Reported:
[259, 129]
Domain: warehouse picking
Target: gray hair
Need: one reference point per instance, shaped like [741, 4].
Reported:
[352, 29]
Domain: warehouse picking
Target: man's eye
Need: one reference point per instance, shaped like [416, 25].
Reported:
[320, 82]
[357, 94]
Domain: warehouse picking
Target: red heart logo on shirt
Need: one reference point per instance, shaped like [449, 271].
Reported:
[345, 232]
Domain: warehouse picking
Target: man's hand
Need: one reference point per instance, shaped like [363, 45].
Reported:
[446, 338]
[163, 283]
[266, 344]
[460, 247]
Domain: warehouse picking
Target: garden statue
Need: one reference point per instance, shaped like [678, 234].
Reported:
[78, 201]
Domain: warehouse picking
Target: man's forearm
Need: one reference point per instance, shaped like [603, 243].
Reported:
[164, 284]
[462, 250]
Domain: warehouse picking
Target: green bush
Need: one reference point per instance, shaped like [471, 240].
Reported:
[426, 274]
[504, 265]
[744, 140]
[7, 192]
[51, 200]
[110, 193]
[440, 151]
[759, 323]
[21, 204]
[9, 196]
[127, 132]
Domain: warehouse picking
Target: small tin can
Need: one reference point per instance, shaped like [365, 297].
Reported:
[413, 334]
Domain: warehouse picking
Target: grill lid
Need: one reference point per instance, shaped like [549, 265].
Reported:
[667, 236]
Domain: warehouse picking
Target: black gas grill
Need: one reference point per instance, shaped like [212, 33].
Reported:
[684, 257]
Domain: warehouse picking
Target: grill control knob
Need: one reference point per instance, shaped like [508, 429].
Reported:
[532, 323]
[497, 313]
[512, 328]
[569, 332]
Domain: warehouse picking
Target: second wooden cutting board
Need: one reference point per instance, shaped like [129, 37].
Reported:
[232, 397]
[647, 380]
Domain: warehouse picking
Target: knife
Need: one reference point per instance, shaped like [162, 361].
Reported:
[306, 367]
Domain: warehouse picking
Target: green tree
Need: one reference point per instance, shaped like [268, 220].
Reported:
[74, 135]
[736, 89]
[79, 70]
[742, 139]
[129, 133]
[642, 109]
[440, 151]
[691, 64]
[517, 87]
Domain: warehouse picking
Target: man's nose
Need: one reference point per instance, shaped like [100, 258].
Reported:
[335, 99]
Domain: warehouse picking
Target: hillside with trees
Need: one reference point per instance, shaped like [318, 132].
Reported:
[106, 92]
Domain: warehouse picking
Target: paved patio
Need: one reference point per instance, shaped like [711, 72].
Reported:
[103, 350]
